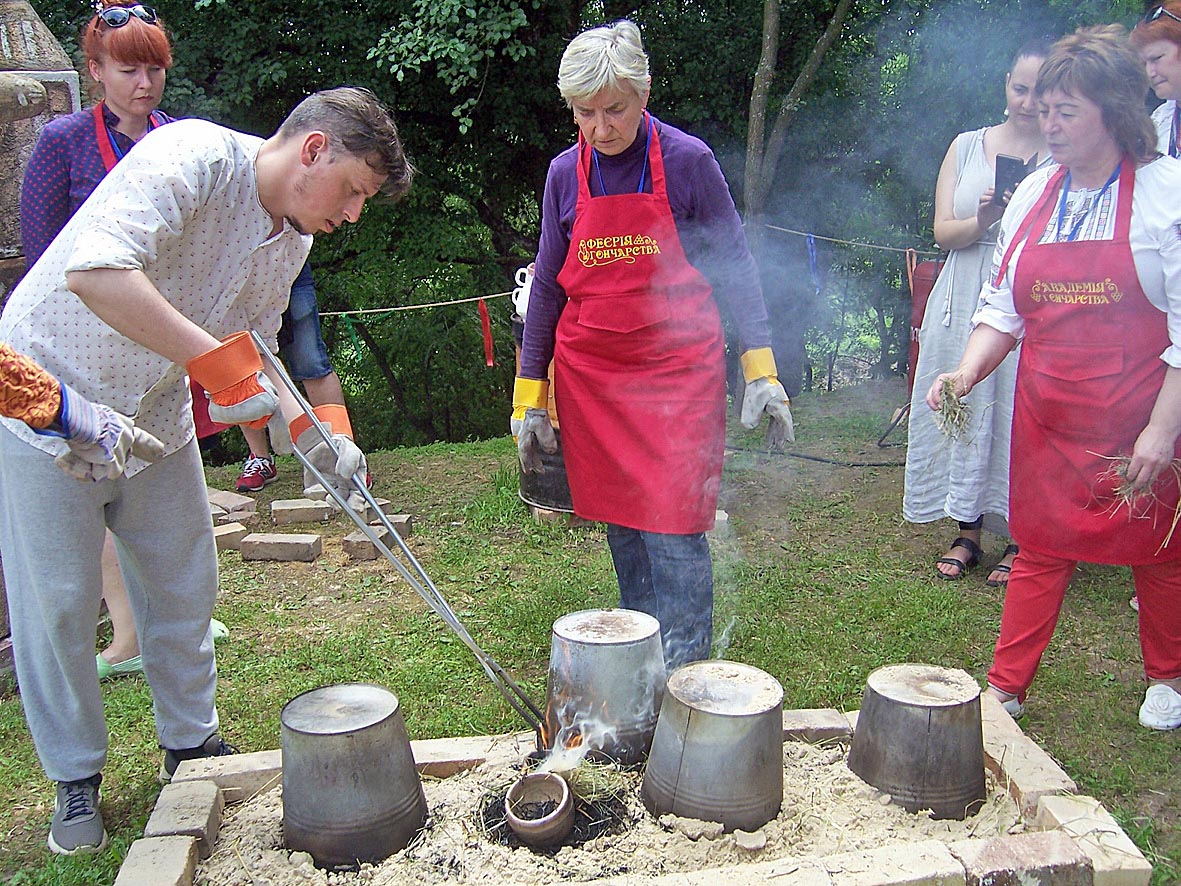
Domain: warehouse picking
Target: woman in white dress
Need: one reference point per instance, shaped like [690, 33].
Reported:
[967, 477]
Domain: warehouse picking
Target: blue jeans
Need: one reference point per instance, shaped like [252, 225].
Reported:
[670, 577]
[300, 343]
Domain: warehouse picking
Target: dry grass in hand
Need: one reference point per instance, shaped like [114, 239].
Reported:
[1139, 502]
[953, 413]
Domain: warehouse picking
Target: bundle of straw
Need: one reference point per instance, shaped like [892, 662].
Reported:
[1139, 503]
[953, 414]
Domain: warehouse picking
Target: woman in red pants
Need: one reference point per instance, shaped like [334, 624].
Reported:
[1088, 277]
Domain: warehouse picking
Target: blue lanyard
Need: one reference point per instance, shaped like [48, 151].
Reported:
[643, 169]
[1062, 204]
[1173, 152]
[115, 145]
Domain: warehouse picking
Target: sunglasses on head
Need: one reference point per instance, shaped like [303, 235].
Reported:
[1156, 13]
[118, 16]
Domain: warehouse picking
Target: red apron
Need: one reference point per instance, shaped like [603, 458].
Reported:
[1088, 378]
[639, 372]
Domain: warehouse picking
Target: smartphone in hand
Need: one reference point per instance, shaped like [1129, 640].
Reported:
[1009, 172]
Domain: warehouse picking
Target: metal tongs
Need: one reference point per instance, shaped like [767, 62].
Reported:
[419, 580]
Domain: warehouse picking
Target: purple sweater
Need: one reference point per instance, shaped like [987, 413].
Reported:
[707, 224]
[65, 167]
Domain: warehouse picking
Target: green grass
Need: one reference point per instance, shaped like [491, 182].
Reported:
[818, 582]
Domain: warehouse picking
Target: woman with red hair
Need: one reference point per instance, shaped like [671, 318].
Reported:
[127, 53]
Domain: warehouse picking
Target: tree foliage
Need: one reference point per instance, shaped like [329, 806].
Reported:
[472, 83]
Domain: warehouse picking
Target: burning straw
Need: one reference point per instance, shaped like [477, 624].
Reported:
[953, 413]
[1138, 502]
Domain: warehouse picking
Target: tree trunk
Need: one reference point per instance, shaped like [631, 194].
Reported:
[785, 306]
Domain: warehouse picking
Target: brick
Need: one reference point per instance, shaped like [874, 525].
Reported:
[1115, 858]
[246, 519]
[232, 501]
[238, 776]
[370, 515]
[444, 757]
[284, 547]
[815, 725]
[216, 511]
[1046, 858]
[188, 809]
[229, 536]
[928, 863]
[358, 546]
[159, 861]
[300, 510]
[1019, 764]
[403, 524]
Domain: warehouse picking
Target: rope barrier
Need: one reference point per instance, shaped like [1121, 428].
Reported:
[848, 242]
[476, 298]
[433, 304]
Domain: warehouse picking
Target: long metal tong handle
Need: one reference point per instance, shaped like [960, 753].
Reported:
[425, 588]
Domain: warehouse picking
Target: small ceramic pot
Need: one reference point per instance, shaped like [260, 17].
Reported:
[539, 788]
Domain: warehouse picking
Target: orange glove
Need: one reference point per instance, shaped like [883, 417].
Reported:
[231, 374]
[27, 391]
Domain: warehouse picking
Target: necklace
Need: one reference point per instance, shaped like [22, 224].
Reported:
[1078, 222]
[643, 169]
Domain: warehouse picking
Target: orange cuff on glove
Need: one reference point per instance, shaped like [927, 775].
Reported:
[27, 392]
[333, 415]
[228, 372]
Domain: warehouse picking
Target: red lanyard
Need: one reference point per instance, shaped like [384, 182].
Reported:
[106, 139]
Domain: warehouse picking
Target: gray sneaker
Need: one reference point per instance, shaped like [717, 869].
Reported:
[77, 824]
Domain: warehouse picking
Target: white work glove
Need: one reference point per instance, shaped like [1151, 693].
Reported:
[764, 393]
[535, 434]
[337, 468]
[100, 439]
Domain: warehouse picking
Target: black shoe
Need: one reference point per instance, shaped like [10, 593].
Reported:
[77, 824]
[213, 746]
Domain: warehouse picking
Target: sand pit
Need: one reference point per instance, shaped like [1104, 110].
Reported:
[826, 810]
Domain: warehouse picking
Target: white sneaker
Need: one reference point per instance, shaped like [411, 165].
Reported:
[1011, 703]
[1161, 709]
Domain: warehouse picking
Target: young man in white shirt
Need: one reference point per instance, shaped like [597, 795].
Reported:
[194, 238]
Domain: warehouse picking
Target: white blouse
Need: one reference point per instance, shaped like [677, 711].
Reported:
[1155, 235]
[182, 207]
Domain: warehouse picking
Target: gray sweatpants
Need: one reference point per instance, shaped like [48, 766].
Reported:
[51, 535]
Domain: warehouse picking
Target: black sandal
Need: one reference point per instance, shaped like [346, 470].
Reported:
[963, 566]
[1004, 570]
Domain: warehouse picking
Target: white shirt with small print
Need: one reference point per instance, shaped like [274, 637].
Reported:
[182, 207]
[1154, 235]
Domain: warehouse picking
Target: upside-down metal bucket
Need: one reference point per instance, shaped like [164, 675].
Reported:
[718, 750]
[606, 680]
[351, 792]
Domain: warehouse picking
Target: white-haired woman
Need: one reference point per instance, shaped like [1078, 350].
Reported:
[639, 234]
[1088, 276]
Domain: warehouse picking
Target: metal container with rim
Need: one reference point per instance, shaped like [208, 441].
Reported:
[351, 792]
[605, 683]
[718, 750]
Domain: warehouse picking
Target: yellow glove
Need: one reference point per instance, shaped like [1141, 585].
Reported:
[764, 393]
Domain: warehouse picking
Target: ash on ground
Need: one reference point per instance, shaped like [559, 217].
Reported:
[826, 809]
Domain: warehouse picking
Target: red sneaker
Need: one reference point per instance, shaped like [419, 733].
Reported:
[256, 473]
